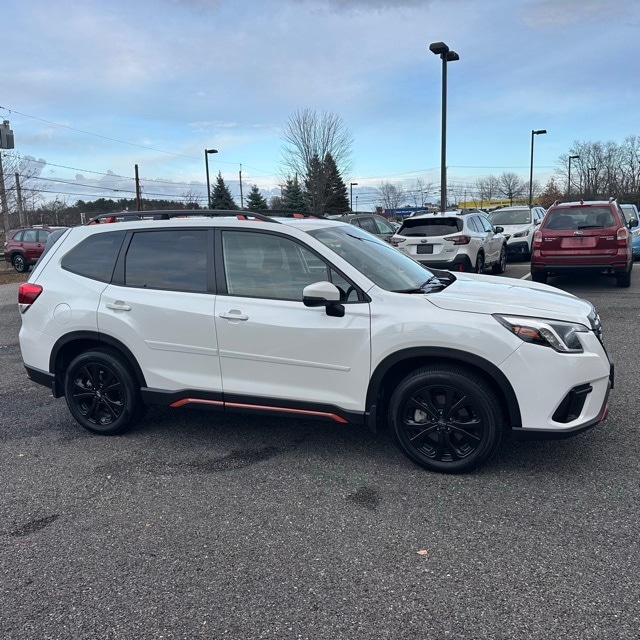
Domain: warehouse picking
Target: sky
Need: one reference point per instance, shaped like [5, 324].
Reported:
[93, 88]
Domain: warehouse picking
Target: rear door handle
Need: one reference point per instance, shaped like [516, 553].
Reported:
[233, 315]
[118, 306]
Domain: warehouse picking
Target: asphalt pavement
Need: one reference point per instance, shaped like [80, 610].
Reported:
[196, 525]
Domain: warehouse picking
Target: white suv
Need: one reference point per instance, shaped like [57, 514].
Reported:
[462, 240]
[313, 318]
[519, 224]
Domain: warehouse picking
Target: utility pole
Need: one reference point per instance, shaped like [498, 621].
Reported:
[138, 196]
[3, 198]
[241, 198]
[19, 200]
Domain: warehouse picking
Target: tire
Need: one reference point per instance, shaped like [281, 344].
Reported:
[623, 279]
[446, 418]
[479, 266]
[539, 276]
[102, 393]
[501, 265]
[19, 263]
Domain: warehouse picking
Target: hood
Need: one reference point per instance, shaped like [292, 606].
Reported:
[491, 294]
[512, 229]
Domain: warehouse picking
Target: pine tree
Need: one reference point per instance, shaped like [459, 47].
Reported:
[292, 196]
[336, 199]
[255, 200]
[314, 185]
[221, 197]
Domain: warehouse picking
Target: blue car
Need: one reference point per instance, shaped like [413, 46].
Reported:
[636, 247]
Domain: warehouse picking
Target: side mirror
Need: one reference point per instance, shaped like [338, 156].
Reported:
[498, 229]
[633, 223]
[323, 294]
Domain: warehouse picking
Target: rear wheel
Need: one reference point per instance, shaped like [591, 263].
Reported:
[19, 263]
[102, 393]
[623, 279]
[479, 268]
[446, 418]
[539, 276]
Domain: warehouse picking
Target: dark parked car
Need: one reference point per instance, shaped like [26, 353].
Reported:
[23, 247]
[583, 236]
[371, 222]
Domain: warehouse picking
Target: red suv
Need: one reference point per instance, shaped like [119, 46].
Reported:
[23, 247]
[583, 236]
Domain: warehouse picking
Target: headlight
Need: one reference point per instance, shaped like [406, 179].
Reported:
[521, 234]
[561, 336]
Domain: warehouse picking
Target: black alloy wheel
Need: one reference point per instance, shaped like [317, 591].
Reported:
[19, 263]
[446, 418]
[101, 392]
[501, 265]
[479, 263]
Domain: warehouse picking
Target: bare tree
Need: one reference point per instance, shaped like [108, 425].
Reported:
[309, 138]
[418, 193]
[191, 198]
[391, 195]
[511, 186]
[487, 189]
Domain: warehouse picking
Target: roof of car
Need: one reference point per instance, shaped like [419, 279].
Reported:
[440, 214]
[584, 203]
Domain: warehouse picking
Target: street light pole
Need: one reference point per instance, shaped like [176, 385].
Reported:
[353, 184]
[206, 164]
[446, 55]
[569, 180]
[534, 132]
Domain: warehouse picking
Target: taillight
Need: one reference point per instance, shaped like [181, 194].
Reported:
[395, 241]
[537, 238]
[459, 239]
[622, 235]
[27, 293]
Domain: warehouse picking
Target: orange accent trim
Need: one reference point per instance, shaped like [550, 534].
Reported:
[180, 403]
[333, 416]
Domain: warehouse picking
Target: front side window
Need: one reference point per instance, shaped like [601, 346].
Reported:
[384, 226]
[175, 260]
[368, 225]
[265, 265]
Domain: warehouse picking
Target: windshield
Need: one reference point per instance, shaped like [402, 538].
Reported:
[377, 260]
[510, 216]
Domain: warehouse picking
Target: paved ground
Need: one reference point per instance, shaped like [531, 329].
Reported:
[196, 526]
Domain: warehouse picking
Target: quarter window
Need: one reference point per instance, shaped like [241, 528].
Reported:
[95, 257]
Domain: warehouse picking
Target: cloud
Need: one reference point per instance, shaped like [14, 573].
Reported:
[548, 14]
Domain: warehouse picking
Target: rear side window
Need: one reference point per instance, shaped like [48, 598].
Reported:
[430, 227]
[175, 259]
[368, 225]
[95, 257]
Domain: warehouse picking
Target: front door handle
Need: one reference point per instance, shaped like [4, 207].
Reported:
[233, 315]
[118, 306]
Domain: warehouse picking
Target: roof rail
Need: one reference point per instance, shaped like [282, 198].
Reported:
[128, 216]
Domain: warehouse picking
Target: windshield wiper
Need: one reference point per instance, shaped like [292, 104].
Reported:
[434, 281]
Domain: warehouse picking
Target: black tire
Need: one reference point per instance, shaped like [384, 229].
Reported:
[479, 266]
[19, 263]
[623, 279]
[102, 393]
[501, 265]
[539, 276]
[446, 418]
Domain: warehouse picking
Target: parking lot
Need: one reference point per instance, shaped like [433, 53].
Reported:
[197, 525]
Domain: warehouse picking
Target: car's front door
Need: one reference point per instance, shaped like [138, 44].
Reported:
[275, 351]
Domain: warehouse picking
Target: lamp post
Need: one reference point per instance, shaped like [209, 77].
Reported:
[534, 132]
[569, 180]
[206, 164]
[356, 204]
[446, 55]
[353, 184]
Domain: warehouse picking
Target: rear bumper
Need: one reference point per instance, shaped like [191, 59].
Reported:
[459, 263]
[614, 265]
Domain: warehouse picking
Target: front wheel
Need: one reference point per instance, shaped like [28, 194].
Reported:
[479, 268]
[501, 265]
[102, 393]
[446, 418]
